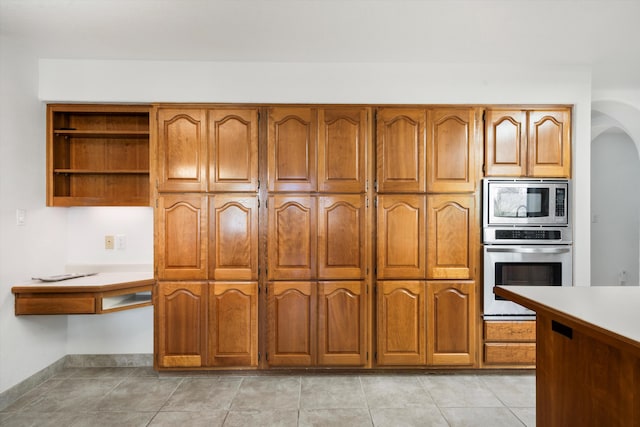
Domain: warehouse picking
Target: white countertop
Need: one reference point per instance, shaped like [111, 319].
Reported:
[99, 279]
[612, 308]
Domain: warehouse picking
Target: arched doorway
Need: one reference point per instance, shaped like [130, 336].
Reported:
[615, 202]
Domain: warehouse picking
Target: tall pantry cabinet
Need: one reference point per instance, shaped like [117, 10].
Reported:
[317, 246]
[427, 235]
[206, 237]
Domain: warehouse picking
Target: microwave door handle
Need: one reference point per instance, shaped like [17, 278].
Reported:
[529, 250]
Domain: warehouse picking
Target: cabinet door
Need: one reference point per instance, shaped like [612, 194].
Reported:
[550, 143]
[341, 149]
[291, 310]
[401, 237]
[292, 141]
[401, 150]
[452, 236]
[341, 237]
[451, 164]
[505, 147]
[341, 323]
[181, 233]
[233, 249]
[233, 324]
[181, 318]
[401, 323]
[451, 323]
[182, 150]
[291, 237]
[233, 149]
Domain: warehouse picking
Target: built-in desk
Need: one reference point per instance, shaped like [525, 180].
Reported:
[588, 353]
[97, 294]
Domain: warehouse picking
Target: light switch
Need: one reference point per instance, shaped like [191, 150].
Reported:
[21, 216]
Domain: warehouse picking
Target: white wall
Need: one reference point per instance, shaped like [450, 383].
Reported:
[27, 343]
[615, 209]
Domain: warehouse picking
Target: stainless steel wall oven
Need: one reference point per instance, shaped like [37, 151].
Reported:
[527, 237]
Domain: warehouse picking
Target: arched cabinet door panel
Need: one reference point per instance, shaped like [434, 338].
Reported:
[291, 312]
[550, 144]
[401, 323]
[181, 231]
[451, 154]
[181, 150]
[292, 144]
[401, 236]
[291, 238]
[341, 237]
[233, 149]
[181, 317]
[341, 323]
[342, 145]
[401, 150]
[505, 143]
[452, 236]
[451, 323]
[233, 249]
[233, 324]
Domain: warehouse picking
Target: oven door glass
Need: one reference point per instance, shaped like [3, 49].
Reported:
[528, 274]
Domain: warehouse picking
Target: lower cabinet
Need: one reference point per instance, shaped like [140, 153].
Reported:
[316, 323]
[510, 343]
[206, 324]
[426, 323]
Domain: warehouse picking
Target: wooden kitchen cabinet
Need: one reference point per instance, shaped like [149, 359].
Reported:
[451, 323]
[342, 145]
[528, 143]
[291, 313]
[452, 236]
[401, 236]
[451, 150]
[181, 150]
[233, 324]
[401, 330]
[181, 320]
[292, 237]
[401, 150]
[233, 149]
[98, 155]
[342, 242]
[292, 141]
[233, 237]
[341, 323]
[181, 233]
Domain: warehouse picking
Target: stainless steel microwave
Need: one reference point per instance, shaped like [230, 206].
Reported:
[526, 202]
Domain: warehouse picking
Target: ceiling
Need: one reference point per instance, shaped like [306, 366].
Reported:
[603, 34]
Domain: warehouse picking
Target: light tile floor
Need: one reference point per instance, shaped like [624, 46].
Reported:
[141, 397]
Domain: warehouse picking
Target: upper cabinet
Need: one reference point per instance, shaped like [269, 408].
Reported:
[207, 149]
[292, 140]
[533, 143]
[451, 150]
[181, 150]
[233, 149]
[97, 155]
[343, 140]
[401, 150]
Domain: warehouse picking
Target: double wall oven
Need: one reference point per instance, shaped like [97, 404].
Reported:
[527, 239]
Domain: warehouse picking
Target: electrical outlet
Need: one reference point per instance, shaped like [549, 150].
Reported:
[109, 242]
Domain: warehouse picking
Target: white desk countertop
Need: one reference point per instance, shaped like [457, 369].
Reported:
[100, 279]
[612, 308]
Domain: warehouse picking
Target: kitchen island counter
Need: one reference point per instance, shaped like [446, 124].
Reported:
[588, 353]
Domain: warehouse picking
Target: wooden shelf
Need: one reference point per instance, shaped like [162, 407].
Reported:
[98, 155]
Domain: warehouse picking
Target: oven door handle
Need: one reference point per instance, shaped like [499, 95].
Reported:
[529, 250]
